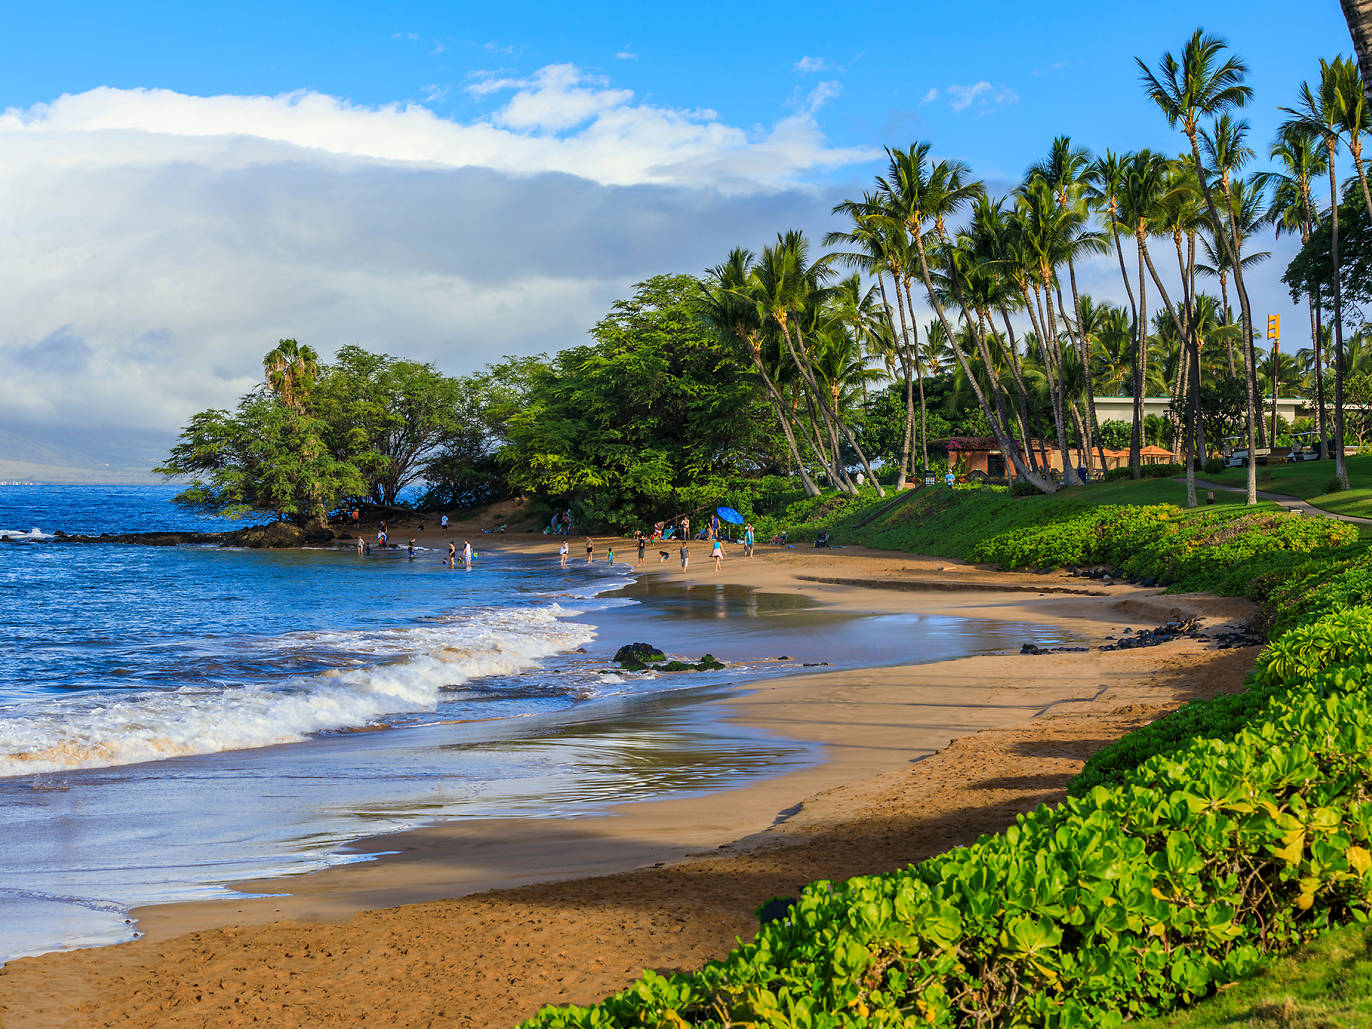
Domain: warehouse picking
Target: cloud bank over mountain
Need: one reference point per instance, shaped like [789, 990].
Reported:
[157, 244]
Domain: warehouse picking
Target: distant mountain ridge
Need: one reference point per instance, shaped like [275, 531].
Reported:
[64, 454]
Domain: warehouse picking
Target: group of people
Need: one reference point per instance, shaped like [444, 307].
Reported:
[561, 525]
[641, 541]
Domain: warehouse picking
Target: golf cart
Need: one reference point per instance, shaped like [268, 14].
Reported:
[1236, 455]
[1305, 446]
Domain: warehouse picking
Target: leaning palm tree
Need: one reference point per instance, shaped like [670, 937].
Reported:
[726, 303]
[1353, 116]
[1318, 113]
[1206, 84]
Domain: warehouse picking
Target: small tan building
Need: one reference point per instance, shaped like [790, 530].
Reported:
[971, 454]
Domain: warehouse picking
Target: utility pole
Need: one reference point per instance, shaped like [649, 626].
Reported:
[1274, 334]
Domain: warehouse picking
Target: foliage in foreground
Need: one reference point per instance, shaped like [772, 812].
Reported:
[1121, 902]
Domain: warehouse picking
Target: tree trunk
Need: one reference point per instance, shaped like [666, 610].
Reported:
[1358, 14]
[779, 406]
[1340, 465]
[1003, 440]
[1320, 421]
[843, 427]
[1140, 367]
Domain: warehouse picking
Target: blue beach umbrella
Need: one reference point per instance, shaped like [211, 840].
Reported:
[728, 514]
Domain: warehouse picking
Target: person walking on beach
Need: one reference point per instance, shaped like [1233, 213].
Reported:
[714, 526]
[717, 552]
[748, 540]
[452, 554]
[562, 554]
[467, 553]
[590, 549]
[612, 554]
[443, 522]
[642, 541]
[357, 518]
[685, 552]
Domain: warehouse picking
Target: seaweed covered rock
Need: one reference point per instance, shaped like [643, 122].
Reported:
[638, 654]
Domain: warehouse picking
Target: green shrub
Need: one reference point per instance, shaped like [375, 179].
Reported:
[1334, 485]
[1214, 465]
[1123, 901]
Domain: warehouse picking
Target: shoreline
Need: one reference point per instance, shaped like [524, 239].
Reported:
[871, 726]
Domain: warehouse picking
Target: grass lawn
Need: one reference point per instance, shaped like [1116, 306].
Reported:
[1309, 480]
[1326, 984]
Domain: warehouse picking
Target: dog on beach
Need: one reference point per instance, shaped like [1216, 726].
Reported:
[663, 555]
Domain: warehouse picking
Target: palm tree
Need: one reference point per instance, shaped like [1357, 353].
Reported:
[1318, 114]
[727, 304]
[1358, 14]
[1301, 158]
[1226, 146]
[877, 246]
[922, 196]
[1205, 84]
[291, 369]
[1353, 113]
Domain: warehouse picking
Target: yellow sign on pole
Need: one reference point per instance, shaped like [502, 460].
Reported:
[1274, 326]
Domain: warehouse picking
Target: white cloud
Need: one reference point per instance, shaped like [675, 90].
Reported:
[558, 119]
[157, 244]
[930, 97]
[433, 92]
[811, 64]
[982, 93]
[625, 55]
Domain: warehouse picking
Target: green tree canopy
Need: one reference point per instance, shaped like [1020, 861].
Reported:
[657, 404]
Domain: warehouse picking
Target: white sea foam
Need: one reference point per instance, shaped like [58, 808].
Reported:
[402, 670]
[31, 534]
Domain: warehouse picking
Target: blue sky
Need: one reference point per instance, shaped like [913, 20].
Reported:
[183, 185]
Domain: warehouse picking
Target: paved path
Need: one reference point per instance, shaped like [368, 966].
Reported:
[1282, 500]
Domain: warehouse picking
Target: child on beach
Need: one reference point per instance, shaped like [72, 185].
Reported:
[685, 553]
[612, 555]
[717, 552]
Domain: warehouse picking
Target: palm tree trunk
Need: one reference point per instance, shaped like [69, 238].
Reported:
[998, 430]
[903, 350]
[919, 376]
[1140, 367]
[1021, 391]
[1321, 427]
[1085, 344]
[1358, 14]
[1340, 465]
[834, 418]
[1245, 310]
[779, 407]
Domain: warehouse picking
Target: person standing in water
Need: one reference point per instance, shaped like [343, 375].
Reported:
[717, 552]
[452, 554]
[612, 554]
[590, 549]
[411, 548]
[361, 546]
[467, 553]
[562, 554]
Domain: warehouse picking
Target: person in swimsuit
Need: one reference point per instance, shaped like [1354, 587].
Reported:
[562, 554]
[717, 552]
[590, 549]
[452, 555]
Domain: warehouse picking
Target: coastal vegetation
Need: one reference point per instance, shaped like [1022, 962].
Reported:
[937, 309]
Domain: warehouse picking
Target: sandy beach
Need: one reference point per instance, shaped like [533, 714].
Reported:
[481, 922]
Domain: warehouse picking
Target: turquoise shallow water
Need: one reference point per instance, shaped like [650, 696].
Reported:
[176, 719]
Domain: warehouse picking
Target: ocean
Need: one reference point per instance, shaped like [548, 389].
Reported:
[177, 719]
